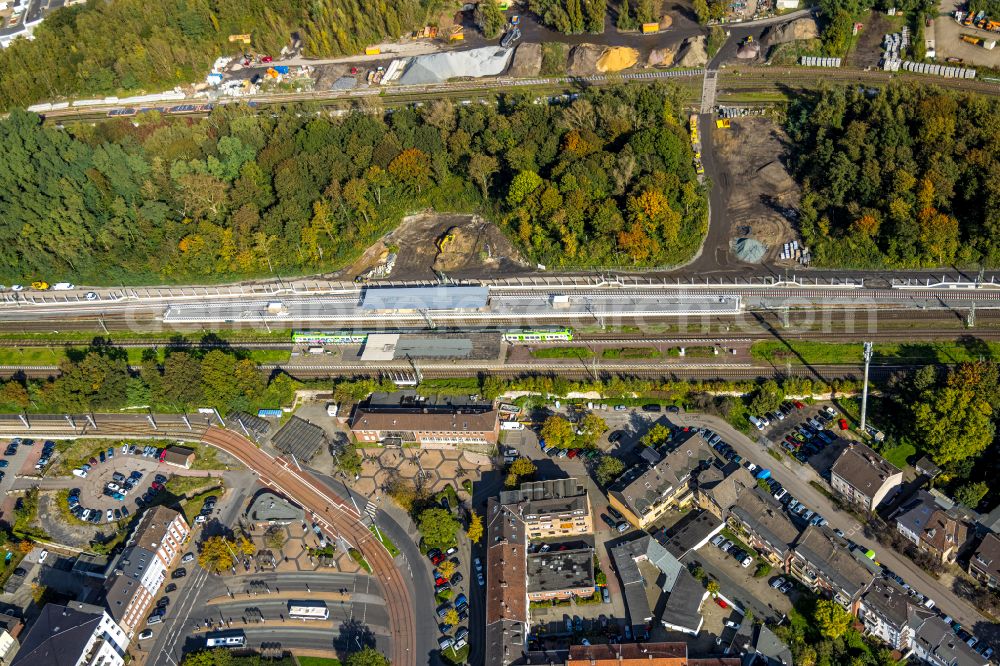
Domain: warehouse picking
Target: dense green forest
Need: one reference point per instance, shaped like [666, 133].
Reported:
[633, 13]
[605, 179]
[190, 376]
[904, 178]
[106, 48]
[571, 16]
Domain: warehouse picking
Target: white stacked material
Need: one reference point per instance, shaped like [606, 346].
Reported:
[475, 63]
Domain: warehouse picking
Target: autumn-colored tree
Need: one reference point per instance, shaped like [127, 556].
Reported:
[636, 243]
[557, 431]
[523, 467]
[831, 619]
[867, 225]
[713, 587]
[217, 554]
[475, 531]
[938, 235]
[412, 167]
[451, 617]
[446, 568]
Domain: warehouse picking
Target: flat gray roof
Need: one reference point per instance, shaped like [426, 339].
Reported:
[299, 438]
[442, 297]
[438, 347]
[560, 570]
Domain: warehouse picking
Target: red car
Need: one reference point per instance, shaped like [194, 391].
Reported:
[156, 485]
[571, 453]
[722, 602]
[843, 424]
[440, 580]
[267, 59]
[798, 405]
[438, 559]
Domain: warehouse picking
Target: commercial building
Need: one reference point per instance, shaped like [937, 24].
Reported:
[76, 634]
[270, 509]
[691, 533]
[178, 456]
[560, 574]
[931, 528]
[506, 585]
[890, 614]
[406, 417]
[641, 654]
[863, 477]
[984, 564]
[552, 508]
[150, 552]
[645, 492]
[821, 561]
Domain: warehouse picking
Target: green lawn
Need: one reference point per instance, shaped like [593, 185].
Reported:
[898, 454]
[386, 541]
[317, 661]
[631, 353]
[832, 353]
[192, 507]
[182, 485]
[563, 352]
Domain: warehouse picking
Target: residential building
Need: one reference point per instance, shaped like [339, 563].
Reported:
[76, 634]
[937, 644]
[150, 552]
[721, 486]
[552, 508]
[765, 525]
[863, 477]
[890, 614]
[640, 654]
[690, 533]
[821, 561]
[506, 585]
[760, 647]
[178, 456]
[10, 631]
[931, 528]
[561, 574]
[268, 508]
[441, 423]
[625, 654]
[984, 564]
[682, 611]
[645, 492]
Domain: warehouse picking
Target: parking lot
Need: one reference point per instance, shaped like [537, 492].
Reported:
[807, 433]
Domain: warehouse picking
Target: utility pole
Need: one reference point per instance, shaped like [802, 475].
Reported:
[864, 393]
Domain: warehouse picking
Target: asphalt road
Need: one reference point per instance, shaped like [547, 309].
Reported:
[796, 479]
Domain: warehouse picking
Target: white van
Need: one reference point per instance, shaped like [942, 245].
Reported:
[63, 286]
[511, 425]
[756, 422]
[331, 409]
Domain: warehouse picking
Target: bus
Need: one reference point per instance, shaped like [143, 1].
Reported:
[328, 338]
[233, 638]
[539, 335]
[308, 610]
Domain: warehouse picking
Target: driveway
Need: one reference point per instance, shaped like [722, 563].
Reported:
[795, 478]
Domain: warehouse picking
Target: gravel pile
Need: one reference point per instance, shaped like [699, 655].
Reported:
[749, 250]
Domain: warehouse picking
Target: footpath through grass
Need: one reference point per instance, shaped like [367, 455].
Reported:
[808, 352]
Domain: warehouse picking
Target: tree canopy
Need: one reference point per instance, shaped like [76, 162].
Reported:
[903, 177]
[604, 180]
[438, 528]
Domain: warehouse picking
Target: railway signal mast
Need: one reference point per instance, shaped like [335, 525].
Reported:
[864, 392]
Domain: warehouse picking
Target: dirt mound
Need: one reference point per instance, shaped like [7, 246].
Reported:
[617, 58]
[693, 53]
[583, 59]
[666, 22]
[477, 248]
[803, 28]
[660, 57]
[775, 176]
[748, 50]
[527, 61]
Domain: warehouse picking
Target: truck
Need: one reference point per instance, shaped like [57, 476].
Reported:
[511, 425]
[650, 28]
[63, 286]
[331, 409]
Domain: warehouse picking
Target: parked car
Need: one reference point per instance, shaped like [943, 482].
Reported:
[605, 595]
[480, 579]
[777, 582]
[188, 557]
[179, 573]
[145, 633]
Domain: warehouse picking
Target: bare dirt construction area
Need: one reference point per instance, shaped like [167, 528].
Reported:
[428, 245]
[867, 50]
[948, 39]
[761, 195]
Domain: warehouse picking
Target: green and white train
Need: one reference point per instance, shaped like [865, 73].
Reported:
[539, 335]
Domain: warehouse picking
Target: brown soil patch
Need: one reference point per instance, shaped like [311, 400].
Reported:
[477, 249]
[762, 195]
